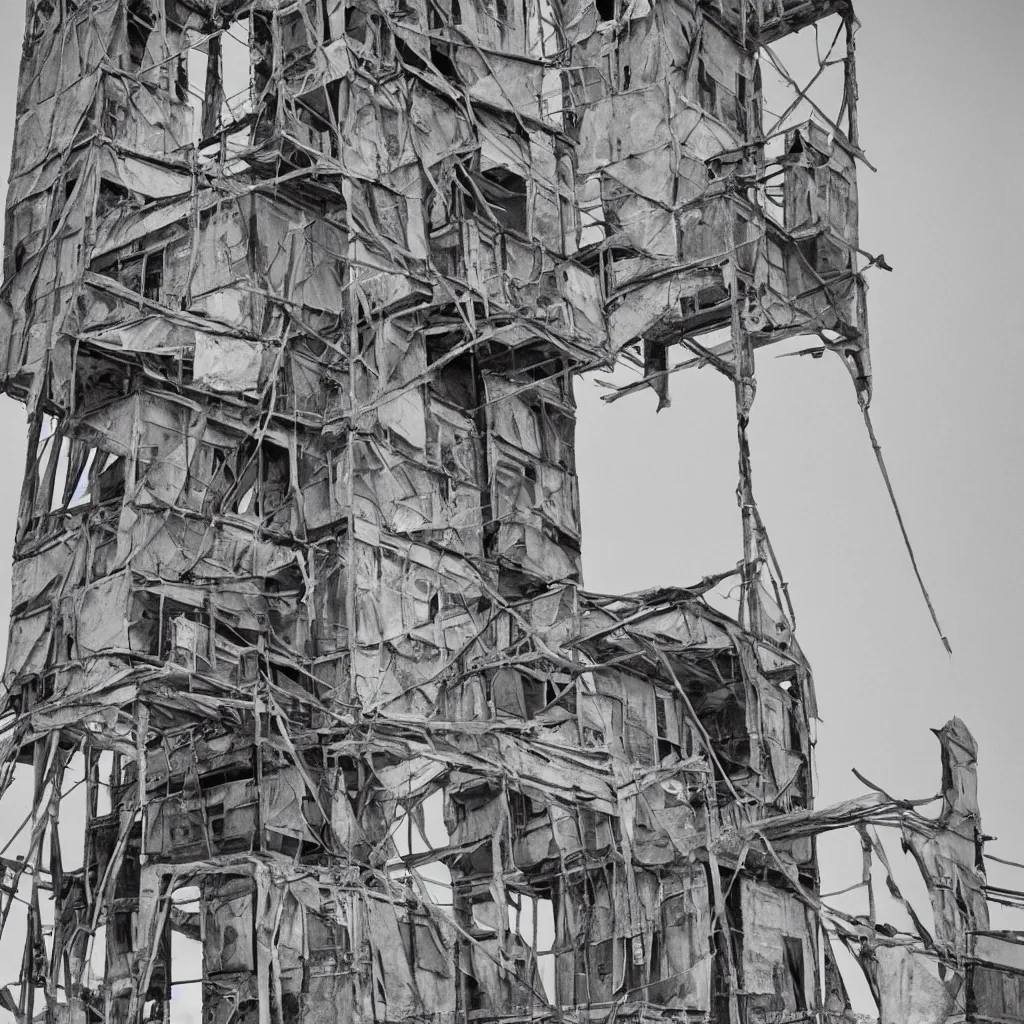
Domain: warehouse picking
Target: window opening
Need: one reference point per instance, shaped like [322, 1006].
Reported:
[501, 17]
[111, 196]
[506, 195]
[671, 731]
[741, 103]
[110, 479]
[153, 276]
[707, 88]
[141, 22]
[794, 953]
[81, 492]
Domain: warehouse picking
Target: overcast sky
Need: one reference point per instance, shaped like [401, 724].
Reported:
[940, 118]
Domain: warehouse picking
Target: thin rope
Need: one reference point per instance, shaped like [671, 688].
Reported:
[906, 538]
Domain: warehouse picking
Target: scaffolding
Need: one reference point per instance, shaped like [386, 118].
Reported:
[315, 718]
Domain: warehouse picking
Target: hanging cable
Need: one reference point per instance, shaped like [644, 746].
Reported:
[899, 518]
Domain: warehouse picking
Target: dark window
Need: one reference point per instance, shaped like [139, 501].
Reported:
[215, 815]
[591, 830]
[110, 482]
[58, 208]
[793, 714]
[534, 696]
[111, 196]
[142, 275]
[254, 480]
[181, 79]
[262, 50]
[707, 87]
[295, 41]
[668, 733]
[540, 695]
[457, 385]
[154, 276]
[563, 695]
[741, 104]
[520, 810]
[131, 273]
[506, 194]
[141, 22]
[113, 116]
[794, 951]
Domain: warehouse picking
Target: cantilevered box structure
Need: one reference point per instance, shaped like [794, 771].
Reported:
[295, 297]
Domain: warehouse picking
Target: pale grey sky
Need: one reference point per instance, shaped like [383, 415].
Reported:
[940, 117]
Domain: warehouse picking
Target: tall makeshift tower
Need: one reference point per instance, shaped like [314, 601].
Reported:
[321, 724]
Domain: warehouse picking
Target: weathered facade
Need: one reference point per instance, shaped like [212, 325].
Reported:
[295, 293]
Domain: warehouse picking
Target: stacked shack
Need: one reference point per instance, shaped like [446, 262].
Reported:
[316, 719]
